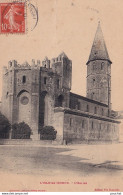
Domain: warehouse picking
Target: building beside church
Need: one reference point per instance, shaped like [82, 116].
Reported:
[40, 95]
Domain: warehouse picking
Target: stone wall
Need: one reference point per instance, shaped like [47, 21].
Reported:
[20, 97]
[79, 126]
[87, 105]
[59, 123]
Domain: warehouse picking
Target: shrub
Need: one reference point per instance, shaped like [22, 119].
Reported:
[21, 131]
[21, 128]
[5, 125]
[48, 133]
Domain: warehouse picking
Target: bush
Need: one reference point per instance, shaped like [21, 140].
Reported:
[21, 128]
[48, 133]
[21, 131]
[5, 125]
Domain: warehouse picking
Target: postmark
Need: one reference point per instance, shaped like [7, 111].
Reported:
[33, 11]
[12, 18]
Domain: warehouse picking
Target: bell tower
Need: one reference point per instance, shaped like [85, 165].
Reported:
[62, 67]
[99, 71]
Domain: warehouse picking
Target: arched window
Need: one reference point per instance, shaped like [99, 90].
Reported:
[71, 122]
[83, 123]
[93, 81]
[45, 80]
[60, 101]
[87, 108]
[92, 95]
[102, 112]
[114, 128]
[94, 67]
[92, 125]
[35, 78]
[95, 110]
[57, 83]
[24, 79]
[108, 127]
[78, 106]
[102, 65]
[7, 94]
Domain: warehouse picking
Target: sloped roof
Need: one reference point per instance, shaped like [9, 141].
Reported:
[99, 50]
[63, 55]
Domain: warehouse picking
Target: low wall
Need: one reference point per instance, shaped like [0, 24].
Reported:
[25, 142]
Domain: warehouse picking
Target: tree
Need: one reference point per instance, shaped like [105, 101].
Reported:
[48, 133]
[5, 126]
[21, 131]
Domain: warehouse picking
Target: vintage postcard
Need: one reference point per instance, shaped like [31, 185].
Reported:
[61, 106]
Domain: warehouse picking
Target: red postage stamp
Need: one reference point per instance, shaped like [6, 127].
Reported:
[12, 17]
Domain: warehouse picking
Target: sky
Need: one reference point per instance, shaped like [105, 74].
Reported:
[70, 26]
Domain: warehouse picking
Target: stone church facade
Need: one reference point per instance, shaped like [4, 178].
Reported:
[40, 95]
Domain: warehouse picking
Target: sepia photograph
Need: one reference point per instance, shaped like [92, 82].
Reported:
[61, 96]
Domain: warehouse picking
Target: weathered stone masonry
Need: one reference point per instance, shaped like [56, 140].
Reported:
[40, 96]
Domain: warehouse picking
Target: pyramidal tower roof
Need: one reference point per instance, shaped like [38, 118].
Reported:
[99, 50]
[63, 55]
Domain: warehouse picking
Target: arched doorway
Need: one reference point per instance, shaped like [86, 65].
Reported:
[60, 100]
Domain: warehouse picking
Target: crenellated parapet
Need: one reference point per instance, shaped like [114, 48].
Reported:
[13, 65]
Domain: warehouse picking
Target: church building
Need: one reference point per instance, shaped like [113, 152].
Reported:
[40, 95]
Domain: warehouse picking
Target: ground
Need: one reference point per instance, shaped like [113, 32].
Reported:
[83, 167]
